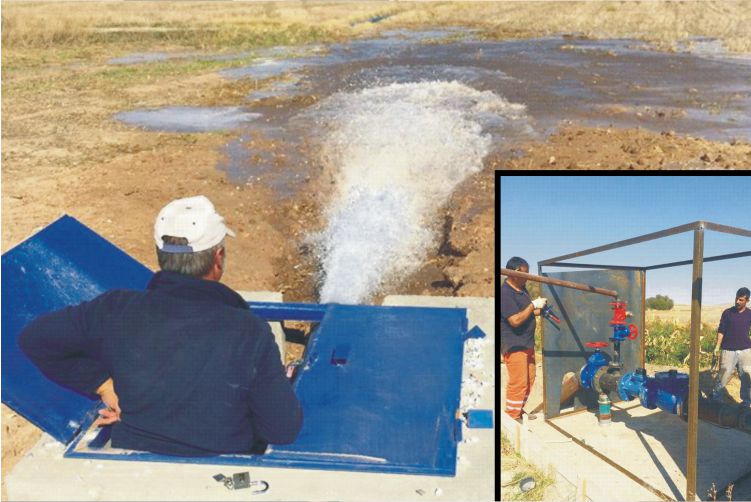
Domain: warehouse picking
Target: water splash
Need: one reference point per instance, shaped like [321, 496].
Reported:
[397, 152]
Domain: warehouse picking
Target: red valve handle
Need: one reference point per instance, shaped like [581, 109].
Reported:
[633, 331]
[596, 345]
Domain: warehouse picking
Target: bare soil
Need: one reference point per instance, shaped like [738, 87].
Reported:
[578, 147]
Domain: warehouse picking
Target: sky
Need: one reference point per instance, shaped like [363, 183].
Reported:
[544, 217]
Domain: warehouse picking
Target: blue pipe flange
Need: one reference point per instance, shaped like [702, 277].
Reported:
[620, 332]
[587, 373]
[631, 384]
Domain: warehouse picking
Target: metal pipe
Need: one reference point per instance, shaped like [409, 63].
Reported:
[569, 387]
[725, 415]
[558, 282]
[693, 372]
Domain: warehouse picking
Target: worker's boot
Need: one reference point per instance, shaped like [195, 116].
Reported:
[529, 417]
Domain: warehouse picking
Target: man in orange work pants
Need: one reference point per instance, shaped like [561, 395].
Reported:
[518, 324]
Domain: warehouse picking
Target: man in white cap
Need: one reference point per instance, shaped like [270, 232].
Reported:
[184, 366]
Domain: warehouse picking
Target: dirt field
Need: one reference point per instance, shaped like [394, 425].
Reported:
[63, 153]
[581, 148]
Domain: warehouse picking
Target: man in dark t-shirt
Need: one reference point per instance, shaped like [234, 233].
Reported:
[518, 324]
[733, 339]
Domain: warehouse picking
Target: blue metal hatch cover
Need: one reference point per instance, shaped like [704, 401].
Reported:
[380, 388]
[64, 264]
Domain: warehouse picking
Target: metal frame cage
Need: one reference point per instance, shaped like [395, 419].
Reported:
[698, 228]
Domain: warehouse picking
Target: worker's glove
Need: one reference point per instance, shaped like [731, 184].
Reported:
[716, 350]
[539, 303]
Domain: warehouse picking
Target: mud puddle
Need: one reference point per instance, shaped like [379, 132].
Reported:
[188, 118]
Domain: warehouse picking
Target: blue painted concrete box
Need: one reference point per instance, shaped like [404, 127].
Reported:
[379, 386]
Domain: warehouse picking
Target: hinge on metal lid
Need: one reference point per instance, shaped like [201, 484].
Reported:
[475, 332]
[479, 419]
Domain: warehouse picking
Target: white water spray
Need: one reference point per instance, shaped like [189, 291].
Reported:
[398, 152]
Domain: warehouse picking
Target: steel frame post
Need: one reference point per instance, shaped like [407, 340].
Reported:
[643, 341]
[693, 372]
[542, 356]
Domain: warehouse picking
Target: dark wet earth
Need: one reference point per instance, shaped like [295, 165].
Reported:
[622, 83]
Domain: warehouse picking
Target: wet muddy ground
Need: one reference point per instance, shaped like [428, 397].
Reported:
[565, 103]
[258, 141]
[608, 83]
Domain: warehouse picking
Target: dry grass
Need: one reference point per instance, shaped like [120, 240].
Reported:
[513, 462]
[201, 25]
[223, 24]
[660, 22]
[681, 314]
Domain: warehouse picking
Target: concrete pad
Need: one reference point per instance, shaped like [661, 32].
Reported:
[651, 444]
[569, 464]
[43, 474]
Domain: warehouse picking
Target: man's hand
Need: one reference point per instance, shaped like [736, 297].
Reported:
[111, 414]
[539, 303]
[718, 344]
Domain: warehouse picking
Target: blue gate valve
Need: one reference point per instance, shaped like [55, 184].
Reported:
[594, 363]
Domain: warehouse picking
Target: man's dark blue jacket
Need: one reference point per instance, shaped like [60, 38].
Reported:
[195, 371]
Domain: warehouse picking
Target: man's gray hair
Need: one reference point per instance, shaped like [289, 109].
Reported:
[193, 264]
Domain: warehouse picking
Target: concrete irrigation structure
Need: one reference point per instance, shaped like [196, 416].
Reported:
[429, 355]
[644, 454]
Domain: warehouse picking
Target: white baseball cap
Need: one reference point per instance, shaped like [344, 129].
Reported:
[193, 218]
